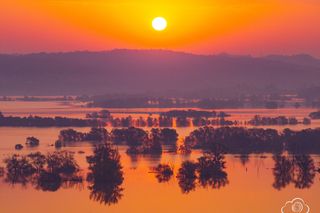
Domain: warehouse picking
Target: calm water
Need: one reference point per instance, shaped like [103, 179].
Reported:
[249, 185]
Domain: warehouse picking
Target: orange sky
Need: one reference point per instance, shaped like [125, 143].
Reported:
[257, 27]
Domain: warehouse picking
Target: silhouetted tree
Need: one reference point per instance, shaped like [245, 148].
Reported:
[32, 141]
[48, 181]
[187, 176]
[61, 163]
[105, 176]
[19, 169]
[299, 170]
[304, 177]
[163, 172]
[282, 171]
[45, 173]
[18, 147]
[37, 160]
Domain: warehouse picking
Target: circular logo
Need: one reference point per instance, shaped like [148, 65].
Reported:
[297, 207]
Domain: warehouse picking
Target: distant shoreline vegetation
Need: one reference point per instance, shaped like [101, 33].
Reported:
[36, 121]
[279, 120]
[194, 114]
[232, 140]
[172, 118]
[262, 101]
[207, 103]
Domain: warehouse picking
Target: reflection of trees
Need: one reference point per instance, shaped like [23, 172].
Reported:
[19, 170]
[282, 172]
[48, 181]
[45, 173]
[106, 193]
[105, 176]
[59, 169]
[211, 171]
[305, 171]
[208, 170]
[163, 172]
[187, 176]
[299, 170]
[244, 159]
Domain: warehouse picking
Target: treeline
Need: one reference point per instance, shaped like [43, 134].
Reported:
[104, 118]
[127, 101]
[138, 140]
[264, 100]
[195, 114]
[279, 120]
[37, 98]
[255, 140]
[158, 102]
[36, 121]
[179, 118]
[168, 121]
[229, 139]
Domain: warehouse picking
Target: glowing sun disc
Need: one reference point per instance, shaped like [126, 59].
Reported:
[159, 23]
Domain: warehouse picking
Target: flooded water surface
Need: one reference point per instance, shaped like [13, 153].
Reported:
[252, 183]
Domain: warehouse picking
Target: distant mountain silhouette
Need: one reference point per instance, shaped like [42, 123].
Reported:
[140, 71]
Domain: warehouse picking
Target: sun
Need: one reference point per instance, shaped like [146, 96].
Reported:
[159, 23]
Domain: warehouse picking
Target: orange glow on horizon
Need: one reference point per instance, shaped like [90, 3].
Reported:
[204, 26]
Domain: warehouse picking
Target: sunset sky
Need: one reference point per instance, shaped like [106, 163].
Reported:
[257, 27]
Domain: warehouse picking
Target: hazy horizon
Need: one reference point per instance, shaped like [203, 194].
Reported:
[164, 50]
[140, 71]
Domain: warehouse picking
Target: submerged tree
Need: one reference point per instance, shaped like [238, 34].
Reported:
[37, 160]
[71, 135]
[62, 163]
[19, 169]
[208, 171]
[48, 181]
[32, 141]
[299, 170]
[164, 172]
[97, 134]
[305, 171]
[282, 171]
[46, 173]
[105, 176]
[187, 176]
[211, 170]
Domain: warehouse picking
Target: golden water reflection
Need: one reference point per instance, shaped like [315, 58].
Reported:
[251, 184]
